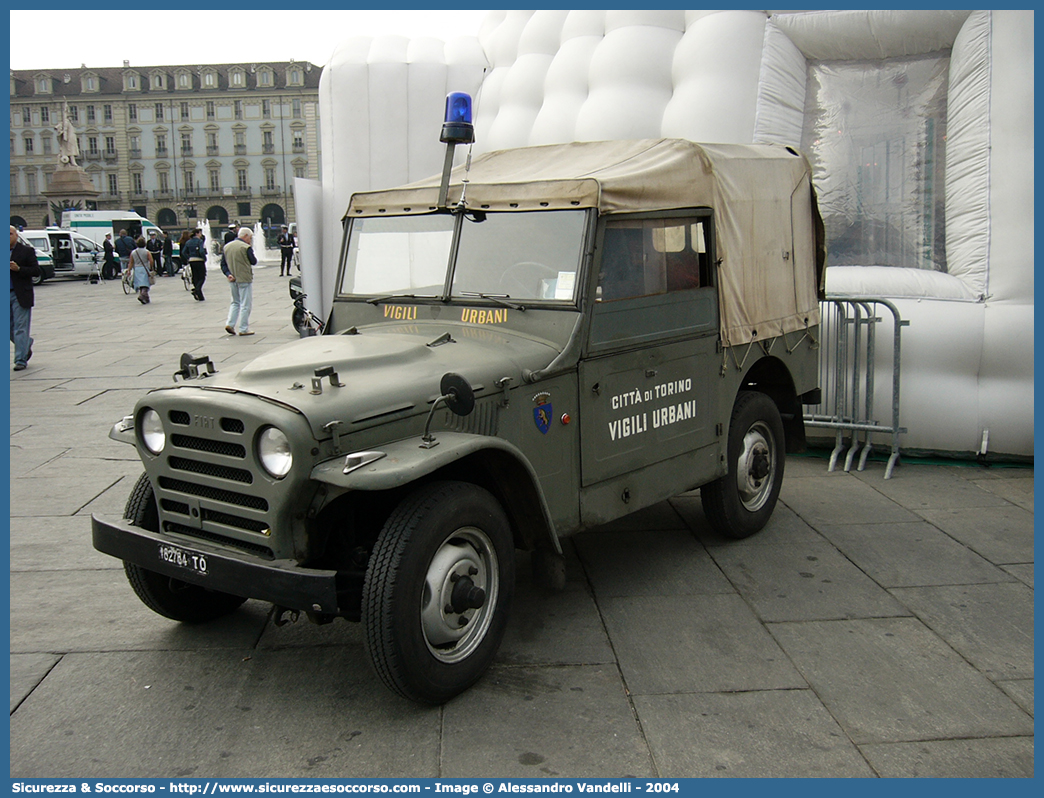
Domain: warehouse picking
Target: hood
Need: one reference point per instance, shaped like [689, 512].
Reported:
[386, 373]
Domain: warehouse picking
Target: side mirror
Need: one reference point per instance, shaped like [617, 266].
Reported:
[459, 398]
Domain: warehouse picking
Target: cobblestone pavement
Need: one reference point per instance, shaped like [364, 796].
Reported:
[875, 628]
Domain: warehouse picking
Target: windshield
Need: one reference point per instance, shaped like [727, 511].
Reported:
[530, 255]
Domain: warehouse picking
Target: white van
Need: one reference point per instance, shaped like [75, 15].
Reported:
[95, 224]
[63, 253]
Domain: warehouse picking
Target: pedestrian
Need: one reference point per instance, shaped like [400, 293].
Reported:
[110, 268]
[240, 258]
[144, 270]
[168, 254]
[124, 247]
[155, 247]
[194, 253]
[23, 269]
[286, 250]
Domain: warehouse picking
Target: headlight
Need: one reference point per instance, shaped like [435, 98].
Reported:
[273, 449]
[152, 434]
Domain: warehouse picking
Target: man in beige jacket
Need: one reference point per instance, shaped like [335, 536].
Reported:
[240, 260]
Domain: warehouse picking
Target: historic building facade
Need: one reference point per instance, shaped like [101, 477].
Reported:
[176, 144]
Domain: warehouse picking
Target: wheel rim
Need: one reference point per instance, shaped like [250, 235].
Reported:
[463, 572]
[756, 467]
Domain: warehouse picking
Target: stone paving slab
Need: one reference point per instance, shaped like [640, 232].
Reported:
[652, 562]
[1004, 758]
[55, 544]
[820, 501]
[892, 680]
[783, 527]
[804, 582]
[929, 556]
[681, 644]
[27, 671]
[532, 723]
[761, 734]
[1003, 535]
[64, 611]
[989, 625]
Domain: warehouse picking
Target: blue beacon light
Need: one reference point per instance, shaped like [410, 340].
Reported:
[457, 129]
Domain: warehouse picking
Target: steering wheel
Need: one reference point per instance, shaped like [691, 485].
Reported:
[524, 277]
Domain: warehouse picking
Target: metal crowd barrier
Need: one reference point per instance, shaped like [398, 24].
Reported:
[847, 366]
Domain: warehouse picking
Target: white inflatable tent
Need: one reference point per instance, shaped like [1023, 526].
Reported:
[919, 125]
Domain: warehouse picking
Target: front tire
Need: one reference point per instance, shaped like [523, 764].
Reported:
[165, 595]
[741, 502]
[437, 591]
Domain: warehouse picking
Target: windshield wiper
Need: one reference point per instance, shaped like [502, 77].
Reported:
[376, 300]
[500, 299]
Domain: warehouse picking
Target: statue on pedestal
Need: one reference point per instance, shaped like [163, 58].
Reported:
[68, 146]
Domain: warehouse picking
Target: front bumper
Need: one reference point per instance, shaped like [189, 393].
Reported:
[281, 582]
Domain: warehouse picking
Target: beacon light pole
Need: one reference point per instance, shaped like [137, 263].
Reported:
[457, 129]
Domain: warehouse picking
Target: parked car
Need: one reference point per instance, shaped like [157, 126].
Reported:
[556, 338]
[62, 253]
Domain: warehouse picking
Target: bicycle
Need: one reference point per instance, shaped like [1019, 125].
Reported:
[127, 280]
[186, 277]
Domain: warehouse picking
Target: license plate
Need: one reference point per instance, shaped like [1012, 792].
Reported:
[183, 558]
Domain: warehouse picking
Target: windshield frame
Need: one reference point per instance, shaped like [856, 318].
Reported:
[448, 295]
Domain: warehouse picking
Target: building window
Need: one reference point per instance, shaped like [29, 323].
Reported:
[212, 144]
[268, 145]
[45, 115]
[164, 181]
[190, 179]
[90, 85]
[107, 113]
[114, 183]
[186, 143]
[295, 77]
[157, 81]
[43, 86]
[264, 78]
[132, 82]
[295, 105]
[299, 170]
[183, 81]
[209, 80]
[134, 141]
[240, 148]
[266, 109]
[92, 146]
[136, 185]
[270, 178]
[241, 179]
[243, 208]
[132, 112]
[161, 145]
[110, 145]
[159, 112]
[90, 114]
[238, 109]
[30, 183]
[184, 112]
[14, 184]
[237, 79]
[27, 116]
[215, 179]
[74, 113]
[28, 145]
[46, 141]
[298, 141]
[12, 145]
[210, 110]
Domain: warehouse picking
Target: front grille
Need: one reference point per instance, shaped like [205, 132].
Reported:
[211, 469]
[208, 445]
[214, 494]
[242, 545]
[208, 489]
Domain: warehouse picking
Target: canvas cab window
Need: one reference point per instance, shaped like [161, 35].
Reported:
[654, 256]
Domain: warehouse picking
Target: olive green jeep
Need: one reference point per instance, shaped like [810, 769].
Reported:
[555, 338]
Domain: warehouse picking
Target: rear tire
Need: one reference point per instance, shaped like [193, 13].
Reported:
[165, 595]
[437, 591]
[741, 502]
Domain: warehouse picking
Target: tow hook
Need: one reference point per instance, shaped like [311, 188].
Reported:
[278, 613]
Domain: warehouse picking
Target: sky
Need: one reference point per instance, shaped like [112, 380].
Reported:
[148, 38]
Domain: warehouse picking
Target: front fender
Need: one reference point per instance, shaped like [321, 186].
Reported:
[406, 461]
